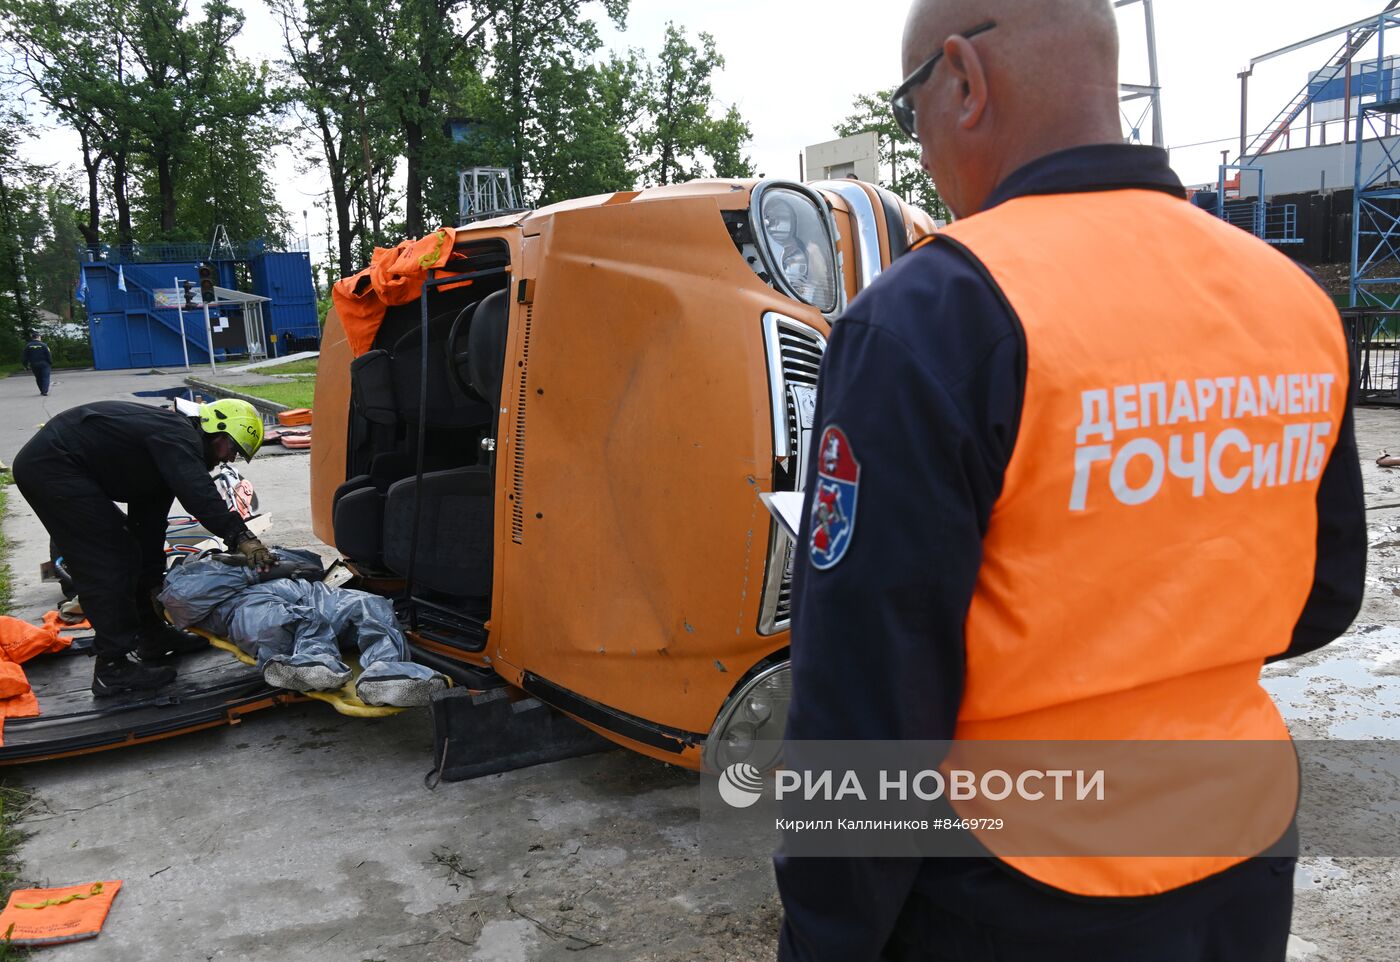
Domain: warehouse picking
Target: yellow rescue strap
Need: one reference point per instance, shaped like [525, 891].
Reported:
[95, 890]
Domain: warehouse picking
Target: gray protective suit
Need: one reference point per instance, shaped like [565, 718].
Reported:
[297, 622]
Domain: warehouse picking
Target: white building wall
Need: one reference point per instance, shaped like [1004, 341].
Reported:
[835, 159]
[1306, 169]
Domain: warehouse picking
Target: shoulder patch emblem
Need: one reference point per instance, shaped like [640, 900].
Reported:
[834, 502]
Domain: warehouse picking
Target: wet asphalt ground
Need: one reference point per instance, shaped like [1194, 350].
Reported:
[304, 835]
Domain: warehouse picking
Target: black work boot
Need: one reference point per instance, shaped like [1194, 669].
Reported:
[160, 643]
[112, 676]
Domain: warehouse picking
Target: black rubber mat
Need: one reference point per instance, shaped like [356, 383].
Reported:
[211, 688]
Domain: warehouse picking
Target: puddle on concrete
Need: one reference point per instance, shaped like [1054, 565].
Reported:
[1355, 693]
[171, 393]
[1315, 873]
[1383, 535]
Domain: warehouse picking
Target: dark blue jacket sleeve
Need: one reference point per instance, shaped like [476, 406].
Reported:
[924, 377]
[1339, 579]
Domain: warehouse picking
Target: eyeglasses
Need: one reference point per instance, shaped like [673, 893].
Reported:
[902, 101]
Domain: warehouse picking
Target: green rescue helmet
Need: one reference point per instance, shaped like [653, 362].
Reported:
[238, 419]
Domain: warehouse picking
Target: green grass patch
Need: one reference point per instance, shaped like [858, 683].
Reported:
[13, 802]
[5, 481]
[294, 394]
[306, 365]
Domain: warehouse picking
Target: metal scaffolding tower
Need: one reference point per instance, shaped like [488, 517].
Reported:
[1340, 66]
[485, 192]
[1375, 218]
[1150, 91]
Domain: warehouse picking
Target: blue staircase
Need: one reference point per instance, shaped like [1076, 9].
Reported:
[128, 329]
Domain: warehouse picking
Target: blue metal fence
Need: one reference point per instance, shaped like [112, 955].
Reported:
[1274, 223]
[142, 253]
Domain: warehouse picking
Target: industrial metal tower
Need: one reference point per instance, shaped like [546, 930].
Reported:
[1150, 91]
[1376, 202]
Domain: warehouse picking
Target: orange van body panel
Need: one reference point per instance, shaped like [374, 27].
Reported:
[635, 436]
[330, 423]
[649, 547]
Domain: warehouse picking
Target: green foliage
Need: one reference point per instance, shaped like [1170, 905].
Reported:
[900, 168]
[678, 137]
[14, 799]
[174, 127]
[16, 301]
[582, 147]
[5, 597]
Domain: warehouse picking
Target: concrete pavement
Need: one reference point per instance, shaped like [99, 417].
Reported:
[303, 835]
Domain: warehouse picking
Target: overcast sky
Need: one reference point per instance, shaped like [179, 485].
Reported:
[793, 69]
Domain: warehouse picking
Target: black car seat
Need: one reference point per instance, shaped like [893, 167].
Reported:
[454, 545]
[386, 390]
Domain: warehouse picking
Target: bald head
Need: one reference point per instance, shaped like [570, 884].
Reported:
[1044, 79]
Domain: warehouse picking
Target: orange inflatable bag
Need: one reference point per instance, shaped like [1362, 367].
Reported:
[19, 642]
[52, 916]
[395, 276]
[296, 417]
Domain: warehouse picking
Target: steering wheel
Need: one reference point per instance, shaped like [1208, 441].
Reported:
[457, 354]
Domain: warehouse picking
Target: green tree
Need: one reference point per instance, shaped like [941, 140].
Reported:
[581, 145]
[154, 96]
[336, 68]
[679, 138]
[72, 57]
[192, 87]
[38, 237]
[226, 174]
[539, 81]
[16, 307]
[51, 229]
[900, 170]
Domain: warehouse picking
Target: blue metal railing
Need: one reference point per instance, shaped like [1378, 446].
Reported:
[187, 252]
[1275, 223]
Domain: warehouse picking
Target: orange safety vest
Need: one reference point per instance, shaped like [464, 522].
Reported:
[1155, 539]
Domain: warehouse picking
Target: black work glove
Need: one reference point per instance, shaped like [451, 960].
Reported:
[256, 553]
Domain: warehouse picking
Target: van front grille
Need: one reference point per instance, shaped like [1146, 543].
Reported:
[794, 364]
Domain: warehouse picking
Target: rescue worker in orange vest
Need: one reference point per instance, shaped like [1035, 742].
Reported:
[1094, 464]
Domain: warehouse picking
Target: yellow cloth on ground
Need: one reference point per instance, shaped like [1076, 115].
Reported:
[343, 699]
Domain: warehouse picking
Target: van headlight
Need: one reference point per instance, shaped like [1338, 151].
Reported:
[750, 725]
[797, 244]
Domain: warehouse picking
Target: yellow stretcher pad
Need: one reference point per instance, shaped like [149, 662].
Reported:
[343, 699]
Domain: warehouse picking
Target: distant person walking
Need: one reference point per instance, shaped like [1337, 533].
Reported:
[38, 359]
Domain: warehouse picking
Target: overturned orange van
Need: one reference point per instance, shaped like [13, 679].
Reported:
[546, 435]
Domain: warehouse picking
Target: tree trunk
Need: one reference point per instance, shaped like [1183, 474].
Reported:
[119, 195]
[335, 167]
[92, 165]
[372, 202]
[666, 130]
[165, 184]
[26, 319]
[413, 186]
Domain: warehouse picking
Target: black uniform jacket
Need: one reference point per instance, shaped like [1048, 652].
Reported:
[924, 373]
[36, 354]
[140, 454]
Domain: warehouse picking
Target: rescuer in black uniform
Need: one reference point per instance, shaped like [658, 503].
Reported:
[86, 458]
[39, 361]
